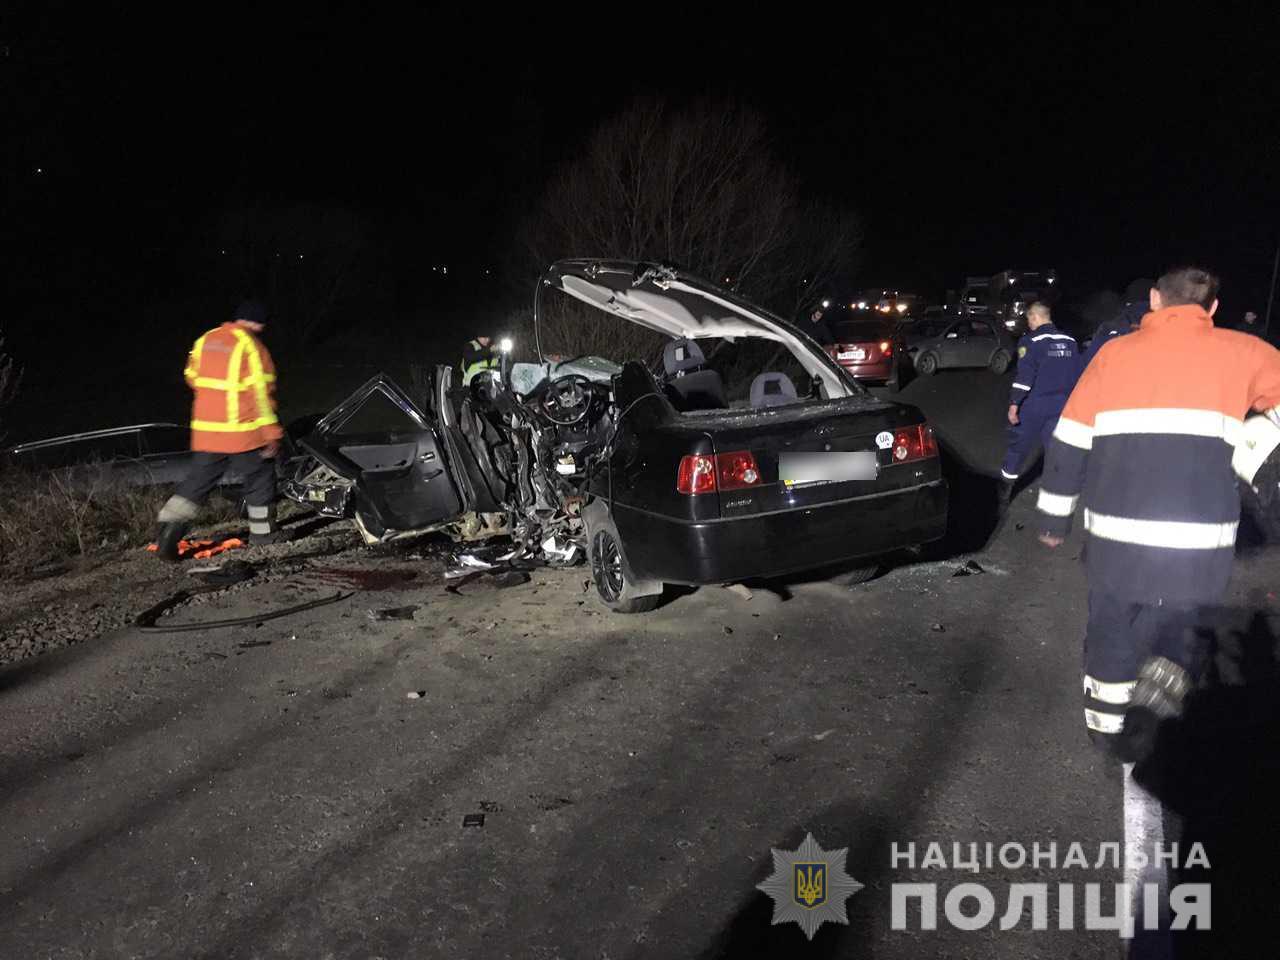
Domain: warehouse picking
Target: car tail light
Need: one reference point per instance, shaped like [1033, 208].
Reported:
[914, 443]
[700, 473]
[886, 347]
[737, 470]
[697, 474]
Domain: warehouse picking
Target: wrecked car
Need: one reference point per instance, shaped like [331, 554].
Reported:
[686, 467]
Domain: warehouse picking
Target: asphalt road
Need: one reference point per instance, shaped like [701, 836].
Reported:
[275, 792]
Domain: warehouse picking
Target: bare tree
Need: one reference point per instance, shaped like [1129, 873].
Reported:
[698, 187]
[302, 260]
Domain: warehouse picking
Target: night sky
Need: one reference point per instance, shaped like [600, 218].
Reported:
[1104, 146]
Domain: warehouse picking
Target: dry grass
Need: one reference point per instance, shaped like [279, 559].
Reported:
[48, 517]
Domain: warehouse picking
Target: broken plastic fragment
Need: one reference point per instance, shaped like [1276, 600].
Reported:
[394, 613]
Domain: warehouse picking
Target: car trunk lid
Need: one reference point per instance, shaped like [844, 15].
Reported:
[811, 454]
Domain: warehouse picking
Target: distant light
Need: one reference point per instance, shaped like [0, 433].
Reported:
[224, 253]
[825, 304]
[505, 345]
[299, 256]
[902, 308]
[1051, 279]
[444, 269]
[39, 169]
[862, 304]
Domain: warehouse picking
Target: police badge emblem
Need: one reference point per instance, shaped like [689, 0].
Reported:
[809, 886]
[1022, 352]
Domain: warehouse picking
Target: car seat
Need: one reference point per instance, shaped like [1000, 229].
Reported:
[698, 389]
[772, 389]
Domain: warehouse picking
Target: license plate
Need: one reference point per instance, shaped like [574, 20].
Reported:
[852, 355]
[813, 469]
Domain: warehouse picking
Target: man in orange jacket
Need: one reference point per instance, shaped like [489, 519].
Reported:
[1145, 445]
[233, 424]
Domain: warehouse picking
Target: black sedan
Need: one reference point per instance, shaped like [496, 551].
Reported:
[657, 476]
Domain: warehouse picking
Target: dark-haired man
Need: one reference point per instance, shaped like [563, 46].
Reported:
[1146, 441]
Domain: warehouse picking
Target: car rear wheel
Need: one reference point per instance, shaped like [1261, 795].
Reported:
[927, 365]
[999, 362]
[609, 574]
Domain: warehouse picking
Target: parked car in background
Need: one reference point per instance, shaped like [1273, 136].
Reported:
[948, 343]
[867, 346]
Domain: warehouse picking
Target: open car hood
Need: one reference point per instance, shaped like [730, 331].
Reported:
[678, 304]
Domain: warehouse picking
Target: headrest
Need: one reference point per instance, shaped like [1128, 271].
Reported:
[681, 356]
[772, 389]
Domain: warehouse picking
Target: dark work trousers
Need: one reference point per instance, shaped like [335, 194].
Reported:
[1037, 416]
[1119, 637]
[257, 474]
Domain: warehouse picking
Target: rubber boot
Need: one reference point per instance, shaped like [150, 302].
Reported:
[167, 540]
[1158, 696]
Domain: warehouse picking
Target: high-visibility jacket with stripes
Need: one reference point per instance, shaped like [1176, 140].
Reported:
[1145, 443]
[477, 358]
[234, 380]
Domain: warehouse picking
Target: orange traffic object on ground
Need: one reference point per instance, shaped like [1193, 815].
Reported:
[202, 549]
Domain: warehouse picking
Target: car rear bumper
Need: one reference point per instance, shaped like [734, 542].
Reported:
[774, 544]
[879, 370]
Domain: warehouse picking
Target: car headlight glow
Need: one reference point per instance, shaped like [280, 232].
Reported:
[505, 345]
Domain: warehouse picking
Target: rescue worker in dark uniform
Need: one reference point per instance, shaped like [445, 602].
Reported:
[478, 355]
[1136, 306]
[1048, 367]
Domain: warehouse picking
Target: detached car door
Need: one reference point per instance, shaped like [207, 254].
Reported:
[386, 445]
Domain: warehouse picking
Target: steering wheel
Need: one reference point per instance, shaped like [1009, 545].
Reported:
[566, 402]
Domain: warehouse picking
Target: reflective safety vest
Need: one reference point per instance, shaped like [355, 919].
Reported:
[234, 380]
[485, 361]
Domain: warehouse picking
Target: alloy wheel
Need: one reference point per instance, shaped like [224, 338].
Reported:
[606, 566]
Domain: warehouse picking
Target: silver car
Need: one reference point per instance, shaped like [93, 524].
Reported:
[947, 343]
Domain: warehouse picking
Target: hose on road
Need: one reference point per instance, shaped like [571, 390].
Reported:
[146, 621]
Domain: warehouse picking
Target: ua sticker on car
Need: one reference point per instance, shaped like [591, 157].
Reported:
[884, 439]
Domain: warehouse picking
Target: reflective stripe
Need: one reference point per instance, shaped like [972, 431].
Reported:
[1103, 722]
[1008, 476]
[1174, 534]
[193, 362]
[1056, 504]
[259, 527]
[1074, 433]
[1175, 420]
[1114, 693]
[233, 376]
[1054, 336]
[257, 376]
[1021, 386]
[214, 384]
[214, 426]
[178, 508]
[259, 513]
